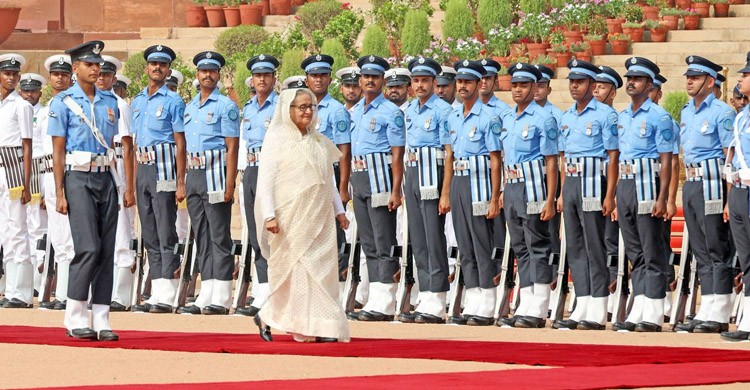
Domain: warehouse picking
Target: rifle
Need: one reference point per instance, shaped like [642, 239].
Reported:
[48, 272]
[619, 310]
[352, 273]
[244, 275]
[186, 248]
[684, 284]
[560, 293]
[505, 280]
[137, 246]
[736, 309]
[457, 284]
[406, 273]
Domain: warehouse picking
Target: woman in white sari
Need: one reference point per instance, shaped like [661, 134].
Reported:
[296, 203]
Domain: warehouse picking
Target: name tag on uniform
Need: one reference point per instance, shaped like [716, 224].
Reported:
[268, 123]
[427, 123]
[111, 114]
[209, 116]
[472, 131]
[643, 128]
[588, 128]
[159, 111]
[372, 124]
[525, 131]
[704, 128]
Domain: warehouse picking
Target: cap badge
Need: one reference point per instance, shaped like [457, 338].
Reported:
[354, 73]
[262, 57]
[12, 60]
[299, 83]
[96, 49]
[691, 59]
[371, 58]
[601, 67]
[393, 76]
[159, 48]
[519, 66]
[633, 61]
[61, 60]
[208, 55]
[575, 63]
[318, 57]
[484, 62]
[466, 62]
[421, 60]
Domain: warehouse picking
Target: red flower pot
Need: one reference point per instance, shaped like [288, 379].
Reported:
[702, 9]
[615, 25]
[671, 22]
[691, 22]
[598, 48]
[573, 36]
[658, 34]
[536, 49]
[582, 55]
[562, 58]
[683, 4]
[251, 14]
[650, 13]
[196, 16]
[503, 82]
[232, 15]
[504, 61]
[266, 6]
[636, 34]
[721, 10]
[620, 47]
[215, 16]
[281, 7]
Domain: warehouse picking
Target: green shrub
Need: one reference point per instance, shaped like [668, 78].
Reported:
[375, 42]
[390, 14]
[673, 103]
[240, 74]
[415, 36]
[290, 63]
[532, 6]
[238, 39]
[494, 13]
[134, 69]
[345, 27]
[458, 22]
[335, 49]
[315, 16]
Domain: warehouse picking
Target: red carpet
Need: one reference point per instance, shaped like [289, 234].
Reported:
[562, 355]
[626, 376]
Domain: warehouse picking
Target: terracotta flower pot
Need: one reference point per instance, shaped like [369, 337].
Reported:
[691, 22]
[650, 13]
[683, 4]
[671, 22]
[658, 34]
[562, 58]
[552, 66]
[736, 2]
[620, 47]
[196, 16]
[504, 61]
[573, 36]
[536, 49]
[503, 82]
[266, 6]
[232, 15]
[251, 14]
[582, 55]
[280, 7]
[215, 16]
[721, 10]
[599, 47]
[702, 9]
[636, 34]
[615, 25]
[297, 3]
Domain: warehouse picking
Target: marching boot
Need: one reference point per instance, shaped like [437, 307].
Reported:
[704, 310]
[473, 299]
[152, 300]
[653, 315]
[743, 327]
[485, 312]
[203, 300]
[579, 313]
[24, 288]
[526, 295]
[374, 292]
[167, 293]
[433, 304]
[77, 320]
[122, 294]
[539, 301]
[221, 299]
[596, 314]
[718, 317]
[100, 316]
[667, 306]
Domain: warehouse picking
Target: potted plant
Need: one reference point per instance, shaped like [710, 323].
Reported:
[635, 30]
[215, 13]
[9, 16]
[581, 51]
[503, 79]
[498, 44]
[683, 4]
[537, 27]
[572, 16]
[633, 13]
[266, 5]
[657, 29]
[651, 10]
[721, 8]
[195, 14]
[597, 43]
[620, 43]
[232, 12]
[702, 7]
[280, 7]
[546, 60]
[251, 12]
[670, 17]
[690, 18]
[614, 10]
[297, 3]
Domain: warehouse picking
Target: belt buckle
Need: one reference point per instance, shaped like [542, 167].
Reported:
[360, 164]
[411, 157]
[251, 158]
[511, 174]
[626, 169]
[461, 166]
[196, 161]
[572, 169]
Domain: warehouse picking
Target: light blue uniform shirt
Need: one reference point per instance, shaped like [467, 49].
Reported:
[477, 134]
[207, 124]
[64, 123]
[645, 133]
[156, 117]
[743, 128]
[529, 136]
[497, 106]
[334, 121]
[556, 112]
[255, 119]
[705, 131]
[589, 134]
[377, 127]
[425, 126]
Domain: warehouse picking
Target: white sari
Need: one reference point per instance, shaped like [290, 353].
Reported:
[295, 185]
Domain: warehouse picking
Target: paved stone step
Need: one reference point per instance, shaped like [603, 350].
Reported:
[649, 48]
[669, 59]
[739, 10]
[187, 48]
[739, 22]
[717, 35]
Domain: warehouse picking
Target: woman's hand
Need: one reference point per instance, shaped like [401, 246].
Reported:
[343, 221]
[272, 225]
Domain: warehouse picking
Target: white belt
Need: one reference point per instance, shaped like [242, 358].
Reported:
[361, 165]
[693, 172]
[87, 162]
[145, 157]
[197, 162]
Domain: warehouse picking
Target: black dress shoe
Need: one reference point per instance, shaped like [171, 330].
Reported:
[16, 303]
[192, 309]
[565, 324]
[326, 340]
[215, 310]
[263, 329]
[687, 326]
[249, 311]
[82, 333]
[358, 305]
[407, 318]
[480, 321]
[739, 335]
[530, 322]
[107, 335]
[144, 308]
[711, 327]
[624, 326]
[160, 308]
[50, 305]
[3, 301]
[506, 321]
[373, 316]
[425, 318]
[647, 327]
[461, 320]
[590, 325]
[352, 315]
[117, 306]
[60, 305]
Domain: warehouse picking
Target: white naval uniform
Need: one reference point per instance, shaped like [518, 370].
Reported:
[36, 218]
[16, 123]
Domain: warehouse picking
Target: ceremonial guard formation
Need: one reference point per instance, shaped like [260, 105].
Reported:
[453, 193]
